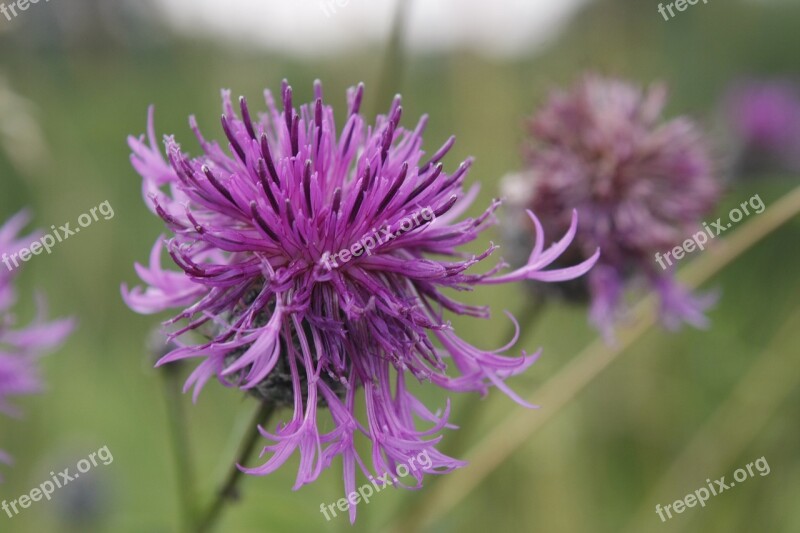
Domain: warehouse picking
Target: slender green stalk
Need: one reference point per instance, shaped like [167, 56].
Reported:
[393, 65]
[514, 431]
[228, 492]
[179, 439]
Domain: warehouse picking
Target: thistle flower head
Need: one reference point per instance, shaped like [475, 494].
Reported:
[639, 183]
[315, 260]
[21, 347]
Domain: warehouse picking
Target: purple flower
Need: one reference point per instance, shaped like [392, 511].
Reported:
[765, 119]
[640, 184]
[21, 347]
[257, 234]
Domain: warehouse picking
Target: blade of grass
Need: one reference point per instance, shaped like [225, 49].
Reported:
[393, 65]
[179, 439]
[719, 442]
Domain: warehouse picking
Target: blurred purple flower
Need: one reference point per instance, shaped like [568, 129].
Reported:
[253, 231]
[639, 184]
[765, 119]
[21, 347]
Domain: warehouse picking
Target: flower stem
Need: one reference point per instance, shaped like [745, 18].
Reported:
[393, 67]
[179, 437]
[509, 434]
[228, 492]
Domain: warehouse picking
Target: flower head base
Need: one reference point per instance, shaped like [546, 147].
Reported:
[20, 348]
[640, 185]
[255, 229]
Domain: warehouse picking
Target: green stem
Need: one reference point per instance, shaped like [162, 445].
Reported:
[179, 439]
[393, 63]
[228, 492]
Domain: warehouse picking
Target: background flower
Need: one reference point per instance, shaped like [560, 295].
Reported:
[21, 346]
[764, 121]
[640, 184]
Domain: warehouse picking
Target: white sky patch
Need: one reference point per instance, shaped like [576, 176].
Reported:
[302, 27]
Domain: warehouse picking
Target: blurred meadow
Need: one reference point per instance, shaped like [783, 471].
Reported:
[671, 411]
